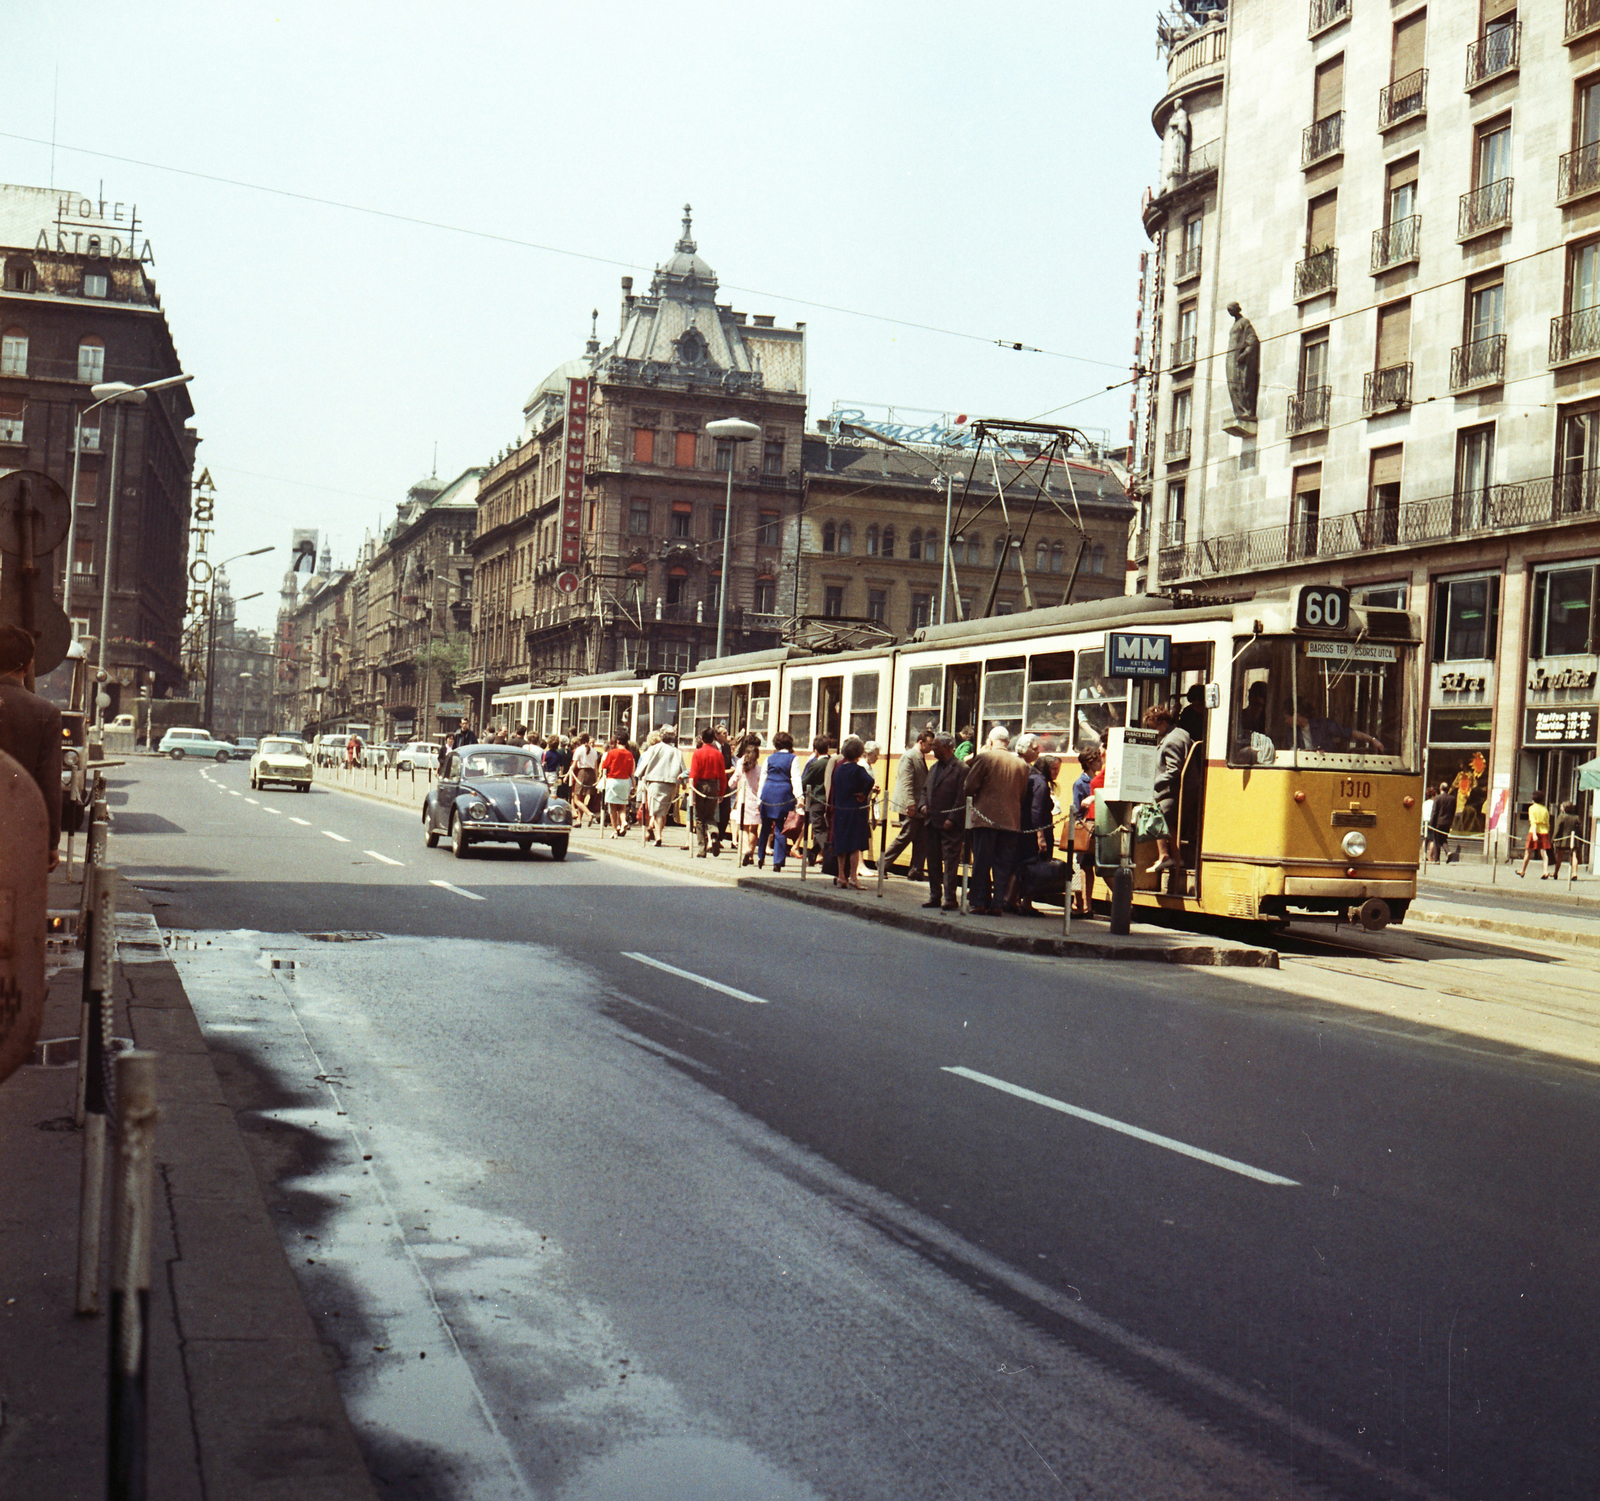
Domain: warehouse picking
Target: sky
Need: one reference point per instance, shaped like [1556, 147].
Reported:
[377, 228]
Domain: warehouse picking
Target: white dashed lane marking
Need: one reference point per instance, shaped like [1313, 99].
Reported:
[386, 860]
[471, 896]
[687, 974]
[305, 823]
[252, 800]
[329, 834]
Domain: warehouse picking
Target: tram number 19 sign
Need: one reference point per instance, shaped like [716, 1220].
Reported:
[1324, 608]
[1137, 656]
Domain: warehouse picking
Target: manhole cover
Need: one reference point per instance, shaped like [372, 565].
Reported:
[343, 937]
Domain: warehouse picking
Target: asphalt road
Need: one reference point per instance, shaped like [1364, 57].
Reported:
[860, 1213]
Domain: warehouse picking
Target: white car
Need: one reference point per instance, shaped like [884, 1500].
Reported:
[421, 755]
[281, 759]
[181, 742]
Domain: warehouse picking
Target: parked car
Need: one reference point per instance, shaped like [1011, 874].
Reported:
[179, 742]
[244, 747]
[495, 793]
[421, 754]
[281, 759]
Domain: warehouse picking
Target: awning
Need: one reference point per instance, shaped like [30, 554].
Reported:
[1589, 776]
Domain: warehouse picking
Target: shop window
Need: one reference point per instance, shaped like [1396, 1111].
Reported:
[639, 518]
[1464, 618]
[1564, 611]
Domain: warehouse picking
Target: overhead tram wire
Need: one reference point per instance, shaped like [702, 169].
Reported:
[582, 255]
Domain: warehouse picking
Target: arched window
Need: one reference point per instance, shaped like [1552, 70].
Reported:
[1097, 559]
[914, 546]
[872, 540]
[91, 359]
[1041, 557]
[930, 547]
[845, 537]
[1055, 557]
[827, 537]
[888, 542]
[14, 352]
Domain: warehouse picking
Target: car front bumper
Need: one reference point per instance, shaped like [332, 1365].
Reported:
[515, 830]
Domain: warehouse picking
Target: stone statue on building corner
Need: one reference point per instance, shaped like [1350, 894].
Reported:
[1244, 373]
[1175, 148]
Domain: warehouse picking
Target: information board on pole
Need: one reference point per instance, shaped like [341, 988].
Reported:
[1132, 759]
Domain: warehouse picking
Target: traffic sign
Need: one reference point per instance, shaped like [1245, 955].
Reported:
[52, 630]
[567, 582]
[28, 496]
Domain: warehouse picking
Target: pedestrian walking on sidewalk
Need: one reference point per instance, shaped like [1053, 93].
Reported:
[585, 779]
[996, 778]
[779, 795]
[1564, 837]
[1441, 818]
[849, 801]
[30, 729]
[908, 799]
[660, 774]
[814, 786]
[708, 779]
[944, 828]
[745, 779]
[617, 765]
[557, 759]
[1034, 846]
[1538, 836]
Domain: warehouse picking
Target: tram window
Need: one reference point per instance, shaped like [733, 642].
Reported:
[1048, 710]
[1003, 683]
[688, 731]
[761, 708]
[722, 706]
[1100, 703]
[864, 705]
[924, 700]
[800, 710]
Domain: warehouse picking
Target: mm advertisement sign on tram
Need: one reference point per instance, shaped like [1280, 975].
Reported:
[1132, 655]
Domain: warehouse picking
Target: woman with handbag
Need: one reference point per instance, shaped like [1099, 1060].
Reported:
[745, 782]
[1090, 777]
[780, 819]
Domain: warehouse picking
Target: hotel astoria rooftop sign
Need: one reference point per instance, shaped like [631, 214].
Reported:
[98, 227]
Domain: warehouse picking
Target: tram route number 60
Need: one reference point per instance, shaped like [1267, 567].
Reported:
[1323, 609]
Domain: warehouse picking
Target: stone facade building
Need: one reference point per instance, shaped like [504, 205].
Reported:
[77, 308]
[1409, 218]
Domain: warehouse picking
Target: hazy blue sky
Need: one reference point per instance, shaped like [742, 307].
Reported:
[973, 168]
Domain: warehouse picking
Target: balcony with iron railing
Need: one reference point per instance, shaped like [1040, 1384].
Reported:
[1578, 173]
[1187, 265]
[1396, 244]
[1327, 13]
[1322, 140]
[1480, 363]
[1576, 336]
[1183, 352]
[1583, 17]
[1317, 274]
[1308, 409]
[1383, 390]
[1170, 533]
[1200, 162]
[1176, 448]
[1404, 99]
[1563, 500]
[1485, 209]
[1495, 53]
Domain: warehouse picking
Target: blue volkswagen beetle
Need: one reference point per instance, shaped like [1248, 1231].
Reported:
[495, 794]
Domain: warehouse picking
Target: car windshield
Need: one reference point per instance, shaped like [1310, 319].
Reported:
[1323, 703]
[282, 748]
[500, 763]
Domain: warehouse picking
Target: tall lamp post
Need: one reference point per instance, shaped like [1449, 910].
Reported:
[733, 431]
[211, 625]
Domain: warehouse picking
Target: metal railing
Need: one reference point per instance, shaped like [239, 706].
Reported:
[1480, 363]
[1177, 445]
[1308, 409]
[1317, 273]
[1201, 161]
[1188, 264]
[1441, 518]
[1396, 243]
[1576, 336]
[1496, 52]
[1582, 16]
[1485, 208]
[1183, 352]
[1322, 140]
[1171, 533]
[1578, 173]
[1389, 387]
[1326, 13]
[1403, 99]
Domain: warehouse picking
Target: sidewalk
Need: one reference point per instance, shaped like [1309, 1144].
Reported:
[1491, 899]
[241, 1394]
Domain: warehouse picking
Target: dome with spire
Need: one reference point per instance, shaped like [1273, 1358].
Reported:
[685, 269]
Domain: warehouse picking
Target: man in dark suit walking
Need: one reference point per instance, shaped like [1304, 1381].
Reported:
[30, 727]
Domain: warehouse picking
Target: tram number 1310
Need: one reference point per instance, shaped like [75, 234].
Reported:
[1323, 609]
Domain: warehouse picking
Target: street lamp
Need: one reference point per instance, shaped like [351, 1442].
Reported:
[211, 623]
[733, 431]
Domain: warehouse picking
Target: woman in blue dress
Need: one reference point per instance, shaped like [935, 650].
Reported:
[777, 801]
[848, 801]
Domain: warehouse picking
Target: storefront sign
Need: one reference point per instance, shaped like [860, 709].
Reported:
[577, 433]
[1540, 681]
[1560, 727]
[1137, 656]
[1459, 682]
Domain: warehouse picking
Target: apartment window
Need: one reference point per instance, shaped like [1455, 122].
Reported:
[930, 548]
[1400, 199]
[772, 458]
[1496, 50]
[1097, 559]
[94, 284]
[19, 274]
[914, 544]
[1383, 496]
[1177, 450]
[833, 601]
[877, 604]
[1305, 512]
[1488, 205]
[1308, 408]
[677, 583]
[11, 419]
[1493, 152]
[1564, 611]
[872, 541]
[719, 522]
[829, 537]
[1317, 273]
[921, 610]
[88, 487]
[767, 530]
[1397, 242]
[1405, 97]
[888, 542]
[91, 360]
[1189, 248]
[14, 352]
[1464, 615]
[683, 450]
[83, 554]
[1481, 358]
[1172, 525]
[766, 597]
[1579, 170]
[1576, 334]
[1041, 558]
[1474, 475]
[1324, 137]
[1183, 351]
[1055, 557]
[1389, 385]
[724, 455]
[682, 519]
[639, 518]
[846, 537]
[999, 552]
[1578, 458]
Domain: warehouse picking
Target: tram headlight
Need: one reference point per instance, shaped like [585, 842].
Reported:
[1354, 844]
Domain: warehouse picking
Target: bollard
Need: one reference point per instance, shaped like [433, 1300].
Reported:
[1122, 877]
[883, 849]
[98, 981]
[131, 1216]
[966, 860]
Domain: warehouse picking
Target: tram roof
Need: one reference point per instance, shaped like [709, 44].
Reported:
[1122, 609]
[773, 656]
[599, 681]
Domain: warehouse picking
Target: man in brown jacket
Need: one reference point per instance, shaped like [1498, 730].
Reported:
[30, 727]
[996, 779]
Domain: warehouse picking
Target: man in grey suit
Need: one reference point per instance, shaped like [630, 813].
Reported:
[30, 727]
[908, 797]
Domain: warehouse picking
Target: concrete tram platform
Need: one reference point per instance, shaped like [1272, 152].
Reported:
[242, 1400]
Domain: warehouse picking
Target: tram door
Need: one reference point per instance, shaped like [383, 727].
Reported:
[830, 707]
[1192, 665]
[961, 699]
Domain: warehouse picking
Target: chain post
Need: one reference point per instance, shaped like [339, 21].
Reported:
[127, 1429]
[99, 988]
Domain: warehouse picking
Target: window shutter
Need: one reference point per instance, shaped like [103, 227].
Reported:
[1394, 334]
[1324, 217]
[1493, 10]
[1410, 38]
[1308, 480]
[1330, 88]
[1386, 465]
[1402, 173]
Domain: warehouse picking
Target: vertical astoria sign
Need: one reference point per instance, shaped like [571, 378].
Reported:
[577, 432]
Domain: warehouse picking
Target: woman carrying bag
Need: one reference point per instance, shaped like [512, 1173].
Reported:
[780, 822]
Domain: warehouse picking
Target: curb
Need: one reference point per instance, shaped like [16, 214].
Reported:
[1155, 951]
[1509, 929]
[372, 797]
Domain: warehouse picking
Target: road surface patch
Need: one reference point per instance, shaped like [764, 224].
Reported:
[686, 974]
[1261, 1175]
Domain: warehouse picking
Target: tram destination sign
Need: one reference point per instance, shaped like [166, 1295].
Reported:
[1137, 656]
[1351, 651]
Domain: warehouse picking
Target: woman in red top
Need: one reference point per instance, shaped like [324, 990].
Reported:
[618, 768]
